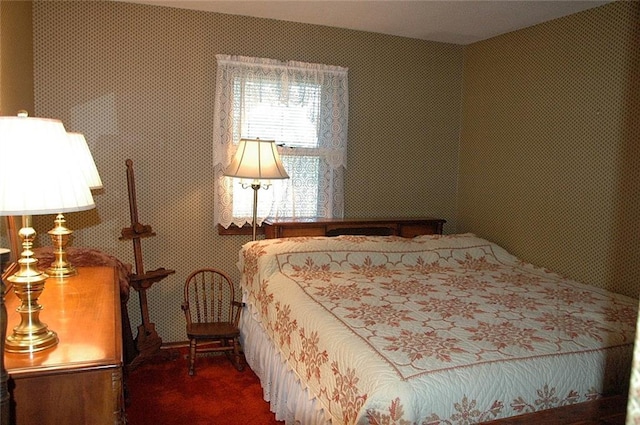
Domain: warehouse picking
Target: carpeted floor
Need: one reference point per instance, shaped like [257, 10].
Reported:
[162, 393]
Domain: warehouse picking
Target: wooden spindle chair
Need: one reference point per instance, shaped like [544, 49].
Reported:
[212, 315]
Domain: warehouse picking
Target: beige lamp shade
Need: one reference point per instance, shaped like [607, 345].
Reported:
[85, 160]
[39, 175]
[257, 160]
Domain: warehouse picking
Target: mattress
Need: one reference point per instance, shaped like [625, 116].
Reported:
[431, 330]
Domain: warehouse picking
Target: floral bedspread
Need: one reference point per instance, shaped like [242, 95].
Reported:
[435, 329]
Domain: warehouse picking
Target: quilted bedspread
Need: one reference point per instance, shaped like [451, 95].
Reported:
[434, 330]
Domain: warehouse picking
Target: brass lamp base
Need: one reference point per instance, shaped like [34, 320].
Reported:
[61, 271]
[31, 334]
[60, 236]
[30, 341]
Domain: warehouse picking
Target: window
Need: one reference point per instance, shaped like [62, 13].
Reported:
[303, 107]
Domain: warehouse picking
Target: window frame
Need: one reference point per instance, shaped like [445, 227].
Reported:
[332, 131]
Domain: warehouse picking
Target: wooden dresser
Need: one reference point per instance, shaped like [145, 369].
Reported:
[80, 380]
[405, 227]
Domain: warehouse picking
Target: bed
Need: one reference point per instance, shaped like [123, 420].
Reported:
[430, 330]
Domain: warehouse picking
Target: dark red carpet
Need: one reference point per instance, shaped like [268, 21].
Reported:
[162, 392]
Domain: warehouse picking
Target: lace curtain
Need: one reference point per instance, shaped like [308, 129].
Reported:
[304, 108]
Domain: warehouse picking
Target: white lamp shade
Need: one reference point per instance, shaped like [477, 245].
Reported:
[258, 160]
[85, 160]
[39, 173]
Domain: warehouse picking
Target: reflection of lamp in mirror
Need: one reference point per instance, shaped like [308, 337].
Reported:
[256, 160]
[60, 234]
[39, 178]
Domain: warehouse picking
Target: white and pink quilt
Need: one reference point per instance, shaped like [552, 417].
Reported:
[431, 330]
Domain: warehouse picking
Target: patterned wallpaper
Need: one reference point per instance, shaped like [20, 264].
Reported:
[138, 81]
[550, 145]
[16, 59]
[548, 138]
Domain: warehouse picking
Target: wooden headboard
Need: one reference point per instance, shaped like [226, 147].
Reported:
[404, 227]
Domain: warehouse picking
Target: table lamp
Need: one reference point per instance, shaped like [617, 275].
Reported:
[60, 234]
[256, 160]
[38, 176]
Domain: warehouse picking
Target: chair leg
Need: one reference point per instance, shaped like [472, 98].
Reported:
[192, 357]
[236, 355]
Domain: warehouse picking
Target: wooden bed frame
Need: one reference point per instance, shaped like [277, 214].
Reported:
[605, 411]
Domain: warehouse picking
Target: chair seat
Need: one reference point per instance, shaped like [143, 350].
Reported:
[212, 330]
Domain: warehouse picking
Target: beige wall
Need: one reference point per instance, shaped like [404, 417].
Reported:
[16, 57]
[550, 145]
[138, 81]
[16, 71]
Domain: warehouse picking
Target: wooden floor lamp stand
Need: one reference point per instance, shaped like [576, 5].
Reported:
[148, 342]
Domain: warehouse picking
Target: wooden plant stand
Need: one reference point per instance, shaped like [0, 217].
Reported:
[148, 342]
